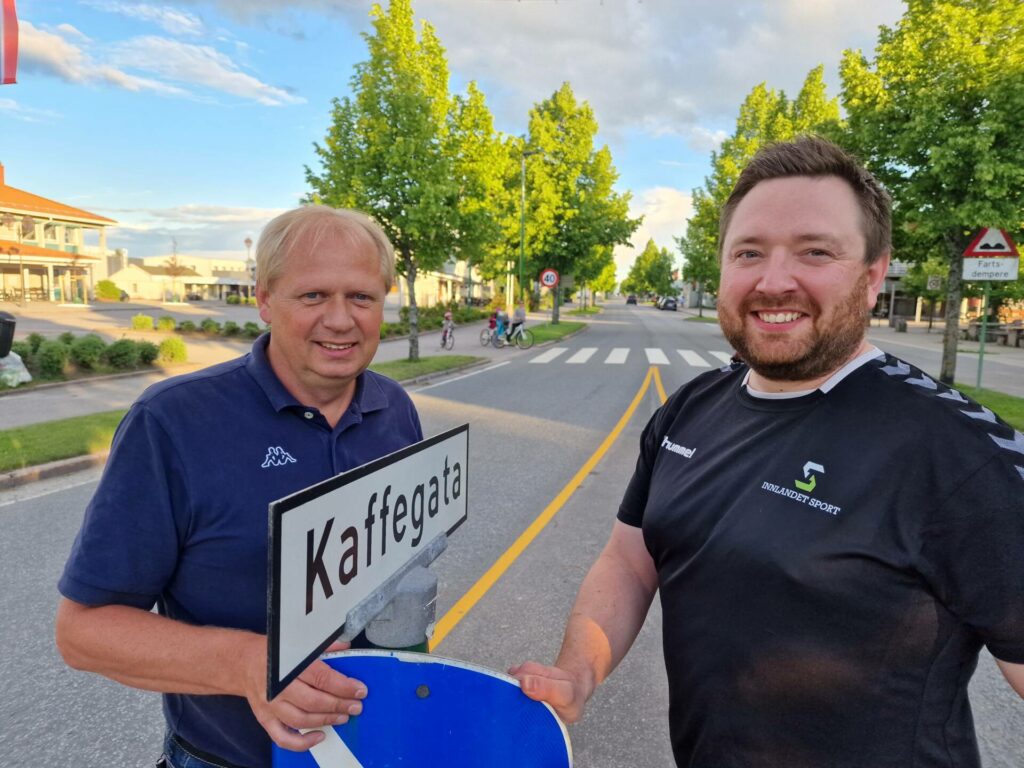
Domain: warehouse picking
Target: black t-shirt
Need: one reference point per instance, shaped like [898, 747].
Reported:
[829, 567]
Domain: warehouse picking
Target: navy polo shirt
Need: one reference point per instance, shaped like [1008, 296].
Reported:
[179, 519]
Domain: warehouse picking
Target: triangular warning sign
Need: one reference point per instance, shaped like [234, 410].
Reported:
[992, 242]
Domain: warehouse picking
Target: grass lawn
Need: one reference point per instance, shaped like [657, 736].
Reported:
[53, 440]
[64, 438]
[1009, 408]
[549, 332]
[705, 319]
[586, 311]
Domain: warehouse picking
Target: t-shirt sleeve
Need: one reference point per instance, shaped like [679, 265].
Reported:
[127, 548]
[631, 510]
[973, 554]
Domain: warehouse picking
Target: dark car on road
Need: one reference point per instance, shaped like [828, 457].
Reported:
[631, 299]
[668, 302]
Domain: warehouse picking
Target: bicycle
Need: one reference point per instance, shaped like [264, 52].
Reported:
[447, 338]
[520, 337]
[486, 336]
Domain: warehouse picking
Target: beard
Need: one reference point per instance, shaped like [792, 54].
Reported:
[831, 343]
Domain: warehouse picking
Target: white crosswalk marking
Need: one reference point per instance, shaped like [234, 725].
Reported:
[551, 354]
[725, 357]
[617, 356]
[582, 356]
[692, 358]
[655, 356]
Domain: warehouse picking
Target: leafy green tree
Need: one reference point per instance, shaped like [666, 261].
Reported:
[605, 282]
[766, 115]
[485, 166]
[651, 271]
[575, 215]
[388, 149]
[938, 114]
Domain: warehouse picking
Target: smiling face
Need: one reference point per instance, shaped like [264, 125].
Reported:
[325, 309]
[795, 289]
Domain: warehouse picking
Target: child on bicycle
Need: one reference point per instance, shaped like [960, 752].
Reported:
[501, 321]
[447, 326]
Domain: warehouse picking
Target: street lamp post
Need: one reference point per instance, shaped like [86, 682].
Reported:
[250, 266]
[522, 213]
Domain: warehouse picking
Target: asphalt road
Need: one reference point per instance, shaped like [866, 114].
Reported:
[533, 425]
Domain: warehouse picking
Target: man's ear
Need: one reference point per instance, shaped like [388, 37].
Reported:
[876, 277]
[262, 301]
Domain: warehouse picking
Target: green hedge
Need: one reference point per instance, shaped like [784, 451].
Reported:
[87, 351]
[142, 323]
[173, 350]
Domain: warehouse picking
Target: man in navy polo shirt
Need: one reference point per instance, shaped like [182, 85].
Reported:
[833, 534]
[179, 520]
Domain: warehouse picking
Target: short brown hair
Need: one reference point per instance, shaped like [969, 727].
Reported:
[282, 232]
[814, 156]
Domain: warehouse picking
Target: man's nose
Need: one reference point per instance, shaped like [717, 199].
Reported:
[337, 314]
[777, 275]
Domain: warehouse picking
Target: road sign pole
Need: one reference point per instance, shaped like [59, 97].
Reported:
[984, 333]
[405, 621]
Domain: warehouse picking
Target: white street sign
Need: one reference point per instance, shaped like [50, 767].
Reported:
[333, 544]
[992, 255]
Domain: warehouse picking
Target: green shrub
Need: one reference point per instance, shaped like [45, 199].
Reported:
[230, 328]
[210, 326]
[24, 351]
[87, 351]
[251, 330]
[233, 298]
[148, 352]
[122, 354]
[51, 359]
[66, 338]
[165, 323]
[35, 340]
[187, 326]
[172, 350]
[107, 290]
[142, 323]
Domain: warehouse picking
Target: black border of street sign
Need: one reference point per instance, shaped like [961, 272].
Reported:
[276, 512]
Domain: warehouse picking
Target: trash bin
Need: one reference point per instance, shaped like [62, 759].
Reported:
[7, 323]
[901, 325]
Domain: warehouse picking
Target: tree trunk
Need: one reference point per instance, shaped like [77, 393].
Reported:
[414, 317]
[700, 299]
[955, 244]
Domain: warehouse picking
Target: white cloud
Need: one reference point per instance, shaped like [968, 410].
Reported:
[177, 66]
[197, 228]
[665, 211]
[172, 20]
[11, 108]
[660, 66]
[196, 65]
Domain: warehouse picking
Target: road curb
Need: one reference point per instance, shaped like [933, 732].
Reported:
[18, 477]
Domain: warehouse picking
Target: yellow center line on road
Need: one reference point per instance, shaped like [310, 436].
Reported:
[466, 603]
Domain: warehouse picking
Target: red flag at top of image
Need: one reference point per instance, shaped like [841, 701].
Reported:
[8, 42]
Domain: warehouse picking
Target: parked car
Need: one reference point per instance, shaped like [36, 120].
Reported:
[631, 299]
[669, 302]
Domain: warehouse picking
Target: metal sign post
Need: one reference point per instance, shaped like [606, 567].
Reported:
[991, 255]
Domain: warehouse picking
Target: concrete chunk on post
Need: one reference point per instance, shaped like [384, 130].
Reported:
[405, 622]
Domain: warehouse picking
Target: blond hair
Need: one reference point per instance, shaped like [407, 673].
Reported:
[316, 221]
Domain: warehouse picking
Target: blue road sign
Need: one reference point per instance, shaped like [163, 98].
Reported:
[425, 711]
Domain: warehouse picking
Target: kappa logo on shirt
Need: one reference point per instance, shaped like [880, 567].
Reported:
[277, 457]
[668, 445]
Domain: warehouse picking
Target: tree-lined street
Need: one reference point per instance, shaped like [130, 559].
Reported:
[532, 426]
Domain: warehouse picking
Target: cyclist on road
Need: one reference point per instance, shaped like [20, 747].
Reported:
[501, 320]
[518, 318]
[447, 327]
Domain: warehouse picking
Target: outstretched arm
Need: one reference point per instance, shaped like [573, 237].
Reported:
[609, 611]
[148, 651]
[1014, 674]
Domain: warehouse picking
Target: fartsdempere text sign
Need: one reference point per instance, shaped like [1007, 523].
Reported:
[333, 544]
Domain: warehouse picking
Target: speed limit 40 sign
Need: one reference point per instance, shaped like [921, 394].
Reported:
[549, 278]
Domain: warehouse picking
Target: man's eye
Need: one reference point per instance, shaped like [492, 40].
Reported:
[818, 253]
[745, 255]
[311, 295]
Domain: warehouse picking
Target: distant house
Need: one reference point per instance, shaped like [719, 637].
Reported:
[48, 250]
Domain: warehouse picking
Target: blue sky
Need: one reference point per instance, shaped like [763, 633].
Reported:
[193, 120]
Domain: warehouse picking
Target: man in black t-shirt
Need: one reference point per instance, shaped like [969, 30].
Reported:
[834, 534]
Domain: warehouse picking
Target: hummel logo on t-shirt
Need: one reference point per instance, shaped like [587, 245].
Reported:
[676, 448]
[277, 457]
